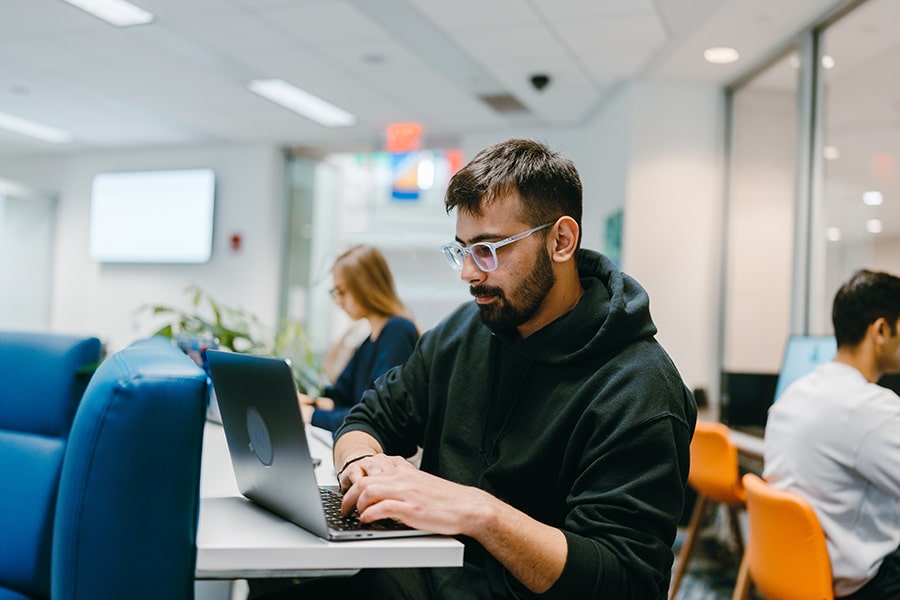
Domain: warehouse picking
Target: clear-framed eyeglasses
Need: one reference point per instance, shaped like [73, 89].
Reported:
[484, 254]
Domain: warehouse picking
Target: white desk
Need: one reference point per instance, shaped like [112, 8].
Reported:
[237, 539]
[749, 444]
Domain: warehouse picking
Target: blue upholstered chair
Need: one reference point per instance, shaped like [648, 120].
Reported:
[126, 517]
[42, 378]
[103, 505]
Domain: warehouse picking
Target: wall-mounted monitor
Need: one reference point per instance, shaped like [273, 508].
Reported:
[152, 216]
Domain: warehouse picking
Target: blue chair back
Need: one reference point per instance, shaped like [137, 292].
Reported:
[42, 378]
[126, 518]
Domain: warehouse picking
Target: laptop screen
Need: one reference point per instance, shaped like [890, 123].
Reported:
[802, 355]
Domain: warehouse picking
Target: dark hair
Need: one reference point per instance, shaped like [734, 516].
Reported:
[546, 182]
[867, 296]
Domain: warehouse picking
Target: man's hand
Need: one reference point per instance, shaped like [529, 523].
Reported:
[389, 487]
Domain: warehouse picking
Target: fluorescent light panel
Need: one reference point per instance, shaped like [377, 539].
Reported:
[115, 12]
[39, 131]
[302, 102]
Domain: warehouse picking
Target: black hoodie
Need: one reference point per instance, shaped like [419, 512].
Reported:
[585, 425]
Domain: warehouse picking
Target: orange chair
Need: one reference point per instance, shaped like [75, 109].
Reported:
[786, 557]
[714, 475]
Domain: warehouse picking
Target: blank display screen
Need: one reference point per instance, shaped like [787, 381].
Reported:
[152, 216]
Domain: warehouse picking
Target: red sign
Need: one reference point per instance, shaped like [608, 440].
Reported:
[403, 137]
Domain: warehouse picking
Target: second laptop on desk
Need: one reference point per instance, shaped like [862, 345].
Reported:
[270, 455]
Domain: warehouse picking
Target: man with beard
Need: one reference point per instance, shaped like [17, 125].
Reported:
[554, 429]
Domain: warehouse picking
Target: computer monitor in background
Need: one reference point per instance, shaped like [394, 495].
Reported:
[891, 381]
[802, 355]
[745, 399]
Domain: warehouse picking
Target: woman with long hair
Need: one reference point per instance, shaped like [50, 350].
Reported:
[364, 289]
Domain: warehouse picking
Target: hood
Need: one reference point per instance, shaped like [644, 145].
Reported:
[613, 312]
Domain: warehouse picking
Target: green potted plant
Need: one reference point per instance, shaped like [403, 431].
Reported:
[208, 323]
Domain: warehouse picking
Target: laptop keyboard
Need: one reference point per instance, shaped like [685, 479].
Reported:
[331, 501]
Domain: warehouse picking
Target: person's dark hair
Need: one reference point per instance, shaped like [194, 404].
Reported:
[546, 182]
[865, 297]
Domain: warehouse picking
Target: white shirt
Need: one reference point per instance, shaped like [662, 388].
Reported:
[834, 438]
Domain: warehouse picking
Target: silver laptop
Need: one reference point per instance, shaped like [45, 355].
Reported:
[267, 442]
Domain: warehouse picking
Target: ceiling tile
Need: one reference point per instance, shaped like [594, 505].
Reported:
[183, 78]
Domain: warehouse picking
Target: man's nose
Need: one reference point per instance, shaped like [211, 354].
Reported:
[470, 272]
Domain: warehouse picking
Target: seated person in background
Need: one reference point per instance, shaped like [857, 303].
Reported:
[555, 429]
[341, 351]
[834, 438]
[364, 289]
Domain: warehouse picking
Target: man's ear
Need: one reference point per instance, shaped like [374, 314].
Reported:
[881, 330]
[564, 239]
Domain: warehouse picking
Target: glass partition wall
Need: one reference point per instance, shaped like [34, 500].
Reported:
[812, 191]
[393, 201]
[759, 237]
[860, 194]
[27, 222]
[759, 228]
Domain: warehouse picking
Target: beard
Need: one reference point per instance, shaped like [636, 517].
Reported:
[509, 311]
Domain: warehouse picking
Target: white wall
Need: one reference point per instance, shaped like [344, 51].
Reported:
[605, 177]
[760, 230]
[884, 255]
[673, 217]
[102, 299]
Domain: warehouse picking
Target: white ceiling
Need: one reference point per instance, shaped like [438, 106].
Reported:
[182, 78]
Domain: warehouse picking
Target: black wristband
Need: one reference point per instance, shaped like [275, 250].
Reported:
[350, 462]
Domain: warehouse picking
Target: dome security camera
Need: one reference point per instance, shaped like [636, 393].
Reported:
[540, 81]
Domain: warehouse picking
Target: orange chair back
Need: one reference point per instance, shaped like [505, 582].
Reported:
[714, 464]
[786, 551]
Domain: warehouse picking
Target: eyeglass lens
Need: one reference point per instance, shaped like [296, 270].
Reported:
[483, 255]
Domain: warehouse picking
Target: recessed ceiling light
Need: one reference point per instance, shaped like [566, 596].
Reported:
[873, 198]
[115, 12]
[721, 55]
[39, 131]
[827, 62]
[302, 102]
[831, 153]
[833, 234]
[874, 226]
[794, 60]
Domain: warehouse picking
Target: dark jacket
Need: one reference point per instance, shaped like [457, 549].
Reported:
[588, 431]
[369, 361]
